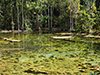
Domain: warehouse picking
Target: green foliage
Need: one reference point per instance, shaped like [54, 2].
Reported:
[28, 25]
[97, 20]
[83, 22]
[86, 17]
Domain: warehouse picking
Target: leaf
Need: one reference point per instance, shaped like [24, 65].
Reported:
[34, 12]
[27, 5]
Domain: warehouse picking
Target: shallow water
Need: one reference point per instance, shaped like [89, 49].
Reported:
[41, 52]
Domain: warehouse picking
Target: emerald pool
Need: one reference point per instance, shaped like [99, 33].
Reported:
[39, 52]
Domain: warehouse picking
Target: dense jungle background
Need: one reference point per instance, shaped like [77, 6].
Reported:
[52, 15]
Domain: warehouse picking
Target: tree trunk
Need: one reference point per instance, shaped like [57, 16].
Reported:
[65, 14]
[12, 17]
[17, 1]
[51, 19]
[45, 19]
[37, 15]
[76, 10]
[40, 26]
[64, 7]
[71, 18]
[22, 18]
[48, 19]
[28, 10]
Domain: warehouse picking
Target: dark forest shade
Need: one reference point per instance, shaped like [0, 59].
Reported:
[97, 4]
[82, 2]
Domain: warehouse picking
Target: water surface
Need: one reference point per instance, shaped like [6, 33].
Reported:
[43, 53]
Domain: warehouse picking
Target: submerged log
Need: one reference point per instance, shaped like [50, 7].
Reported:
[70, 38]
[11, 40]
[82, 34]
[64, 37]
[64, 33]
[93, 36]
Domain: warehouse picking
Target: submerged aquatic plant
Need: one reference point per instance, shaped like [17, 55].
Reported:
[97, 72]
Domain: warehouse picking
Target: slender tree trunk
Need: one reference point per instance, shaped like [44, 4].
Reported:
[18, 15]
[40, 26]
[48, 18]
[71, 17]
[12, 17]
[22, 18]
[65, 13]
[51, 18]
[64, 7]
[28, 17]
[72, 23]
[76, 10]
[37, 16]
[28, 8]
[60, 15]
[45, 19]
[12, 22]
[17, 4]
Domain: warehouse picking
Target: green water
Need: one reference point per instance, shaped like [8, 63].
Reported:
[41, 52]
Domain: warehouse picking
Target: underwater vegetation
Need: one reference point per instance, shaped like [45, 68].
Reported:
[39, 54]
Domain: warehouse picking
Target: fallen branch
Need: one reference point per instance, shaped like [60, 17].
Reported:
[64, 33]
[11, 40]
[70, 38]
[64, 37]
[93, 36]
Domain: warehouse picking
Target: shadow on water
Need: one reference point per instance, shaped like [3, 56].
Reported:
[35, 73]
